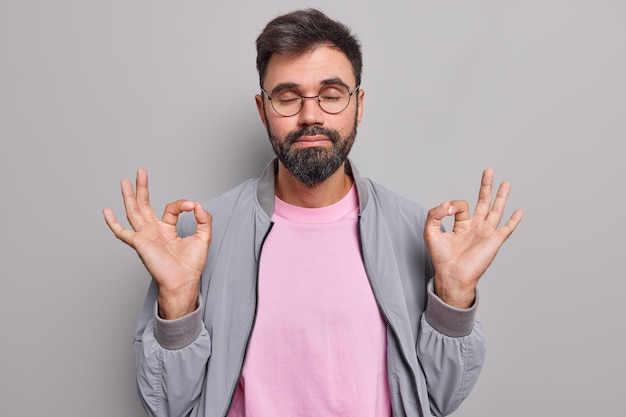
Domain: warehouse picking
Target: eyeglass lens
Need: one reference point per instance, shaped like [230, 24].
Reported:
[332, 98]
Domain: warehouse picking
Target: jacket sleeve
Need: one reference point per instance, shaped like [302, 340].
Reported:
[171, 358]
[451, 346]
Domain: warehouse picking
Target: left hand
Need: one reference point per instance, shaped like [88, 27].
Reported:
[461, 256]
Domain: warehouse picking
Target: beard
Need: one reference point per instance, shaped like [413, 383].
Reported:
[312, 165]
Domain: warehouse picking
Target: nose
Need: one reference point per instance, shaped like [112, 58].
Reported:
[311, 113]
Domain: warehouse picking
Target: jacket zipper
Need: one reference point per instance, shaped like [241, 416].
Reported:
[249, 334]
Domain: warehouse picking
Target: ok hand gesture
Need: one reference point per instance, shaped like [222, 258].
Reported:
[461, 256]
[175, 263]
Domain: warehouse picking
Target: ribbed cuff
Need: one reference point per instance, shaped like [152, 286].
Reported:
[448, 320]
[178, 333]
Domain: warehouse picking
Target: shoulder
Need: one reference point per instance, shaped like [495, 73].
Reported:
[388, 201]
[243, 192]
[222, 206]
[381, 199]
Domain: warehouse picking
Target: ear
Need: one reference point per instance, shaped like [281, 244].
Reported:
[259, 107]
[360, 97]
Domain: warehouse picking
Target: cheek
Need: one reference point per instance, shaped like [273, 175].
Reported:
[347, 124]
[281, 126]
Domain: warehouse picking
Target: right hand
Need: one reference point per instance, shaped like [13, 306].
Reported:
[175, 263]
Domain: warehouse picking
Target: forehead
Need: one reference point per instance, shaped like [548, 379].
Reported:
[309, 69]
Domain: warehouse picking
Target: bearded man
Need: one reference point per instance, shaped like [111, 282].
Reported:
[311, 290]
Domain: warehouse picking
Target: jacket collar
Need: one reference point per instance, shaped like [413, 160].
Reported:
[265, 186]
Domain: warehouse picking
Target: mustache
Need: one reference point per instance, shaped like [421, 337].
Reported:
[314, 130]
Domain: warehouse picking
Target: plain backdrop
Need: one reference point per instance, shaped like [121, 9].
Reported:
[92, 90]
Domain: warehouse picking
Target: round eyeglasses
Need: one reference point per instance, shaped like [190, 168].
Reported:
[332, 98]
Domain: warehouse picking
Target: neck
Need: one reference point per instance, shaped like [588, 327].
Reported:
[292, 191]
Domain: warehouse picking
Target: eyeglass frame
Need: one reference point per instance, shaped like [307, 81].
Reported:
[317, 98]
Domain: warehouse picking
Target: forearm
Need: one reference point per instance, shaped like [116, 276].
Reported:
[453, 292]
[451, 345]
[171, 359]
[175, 304]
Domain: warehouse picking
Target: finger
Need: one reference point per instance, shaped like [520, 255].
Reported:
[509, 227]
[133, 214]
[116, 227]
[497, 210]
[460, 210]
[143, 194]
[204, 221]
[433, 226]
[484, 194]
[173, 210]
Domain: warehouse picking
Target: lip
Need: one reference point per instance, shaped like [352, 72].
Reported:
[307, 141]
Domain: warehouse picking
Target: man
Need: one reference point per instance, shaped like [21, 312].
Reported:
[310, 291]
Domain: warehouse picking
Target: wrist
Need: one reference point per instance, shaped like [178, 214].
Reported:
[171, 306]
[179, 333]
[448, 320]
[453, 293]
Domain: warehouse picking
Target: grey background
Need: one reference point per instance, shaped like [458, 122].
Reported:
[91, 90]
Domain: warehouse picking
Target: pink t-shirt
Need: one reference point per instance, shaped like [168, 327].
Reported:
[319, 343]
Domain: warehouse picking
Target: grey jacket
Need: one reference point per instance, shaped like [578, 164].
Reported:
[191, 366]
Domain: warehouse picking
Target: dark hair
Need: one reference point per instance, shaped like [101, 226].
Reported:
[304, 30]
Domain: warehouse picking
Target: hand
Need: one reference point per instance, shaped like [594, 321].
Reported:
[175, 263]
[460, 257]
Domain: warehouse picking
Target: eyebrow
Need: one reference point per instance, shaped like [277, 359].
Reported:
[288, 85]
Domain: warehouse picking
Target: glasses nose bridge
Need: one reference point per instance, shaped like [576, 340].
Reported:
[316, 98]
